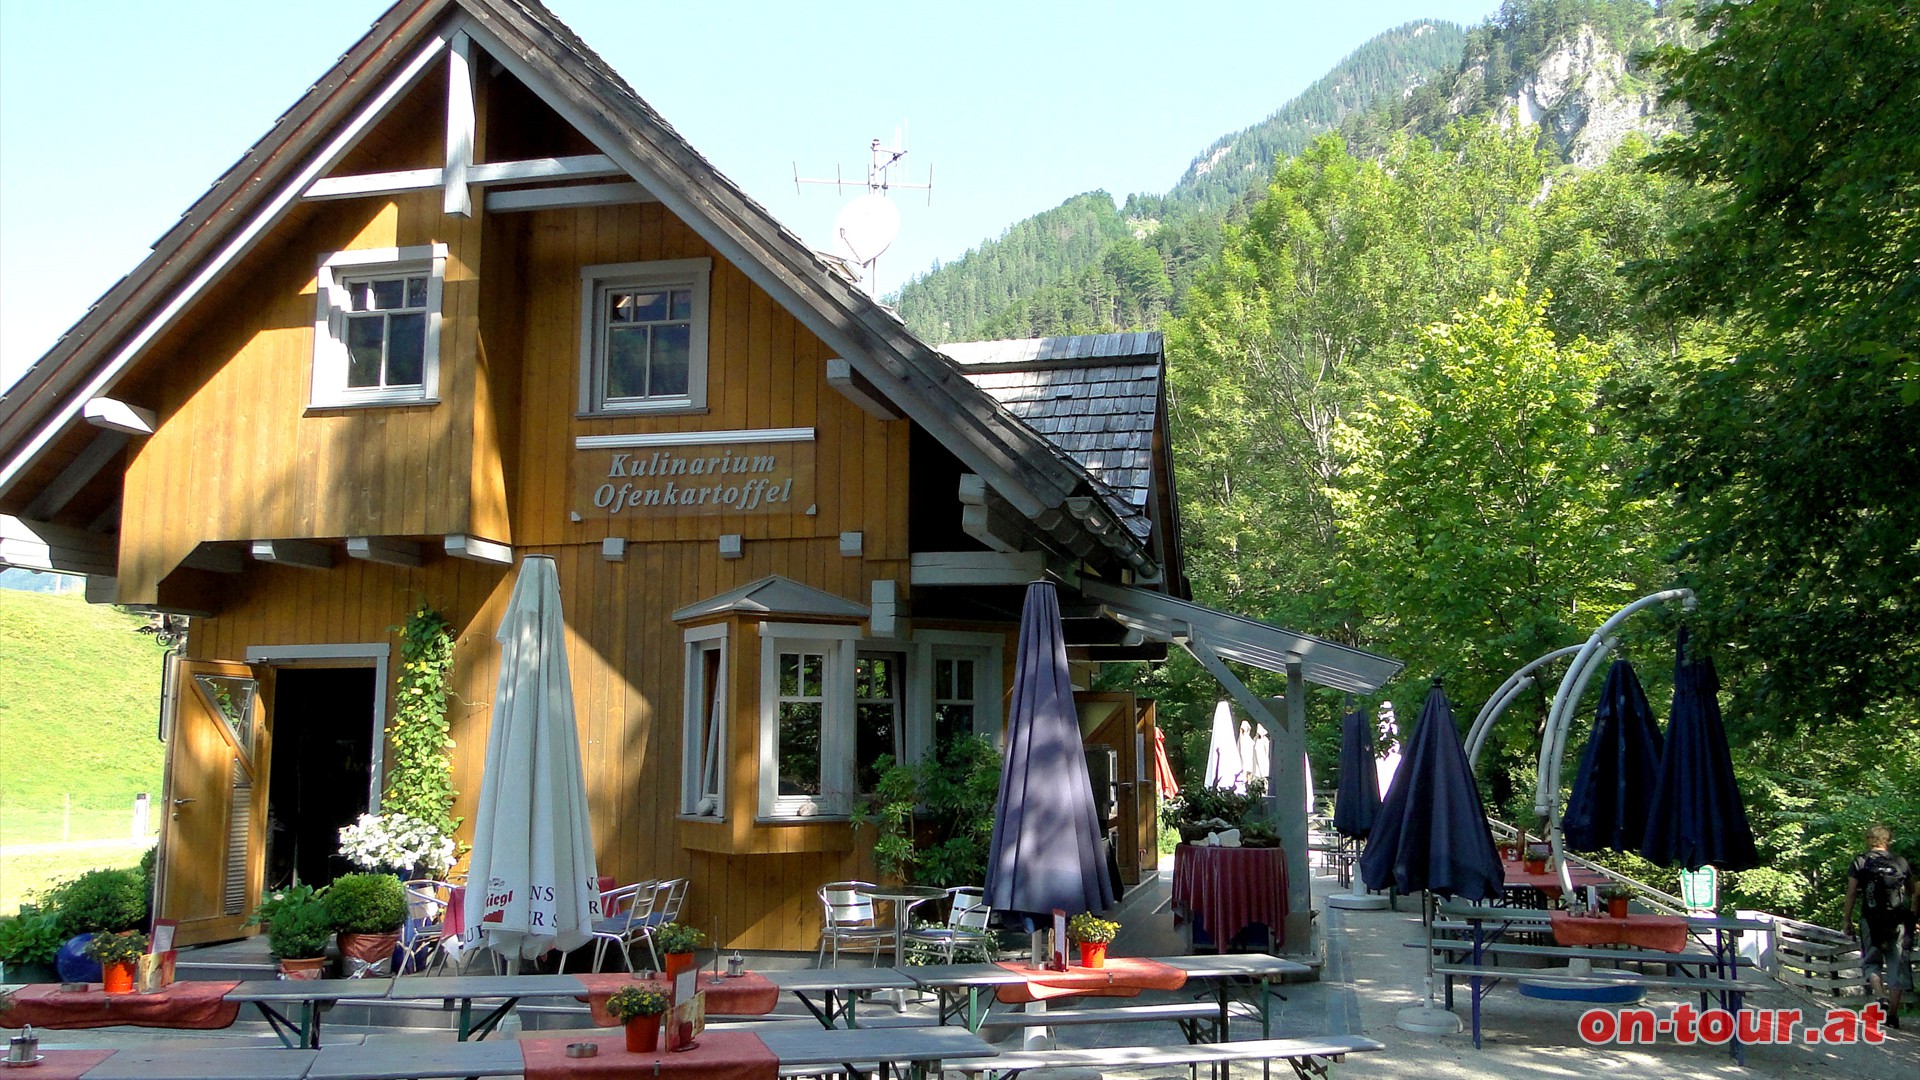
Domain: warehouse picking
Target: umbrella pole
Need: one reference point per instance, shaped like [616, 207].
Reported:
[1428, 1018]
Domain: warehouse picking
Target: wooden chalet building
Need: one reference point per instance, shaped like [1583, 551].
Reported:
[471, 299]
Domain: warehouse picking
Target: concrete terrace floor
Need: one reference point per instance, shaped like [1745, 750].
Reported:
[1368, 976]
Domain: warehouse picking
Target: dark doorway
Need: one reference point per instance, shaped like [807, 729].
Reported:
[322, 767]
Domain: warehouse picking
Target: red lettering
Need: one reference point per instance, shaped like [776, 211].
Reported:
[1716, 1027]
[1840, 1025]
[1638, 1025]
[1597, 1026]
[1683, 1020]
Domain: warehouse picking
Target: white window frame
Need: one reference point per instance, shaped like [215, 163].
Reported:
[595, 282]
[839, 644]
[985, 650]
[696, 756]
[330, 389]
[902, 661]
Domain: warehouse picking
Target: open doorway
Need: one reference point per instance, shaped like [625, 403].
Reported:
[323, 765]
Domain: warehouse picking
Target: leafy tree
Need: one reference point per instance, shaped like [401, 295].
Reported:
[1791, 452]
[1482, 513]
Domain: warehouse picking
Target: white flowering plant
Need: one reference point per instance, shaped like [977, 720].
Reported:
[396, 842]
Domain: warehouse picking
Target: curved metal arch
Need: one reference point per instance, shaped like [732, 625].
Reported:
[1496, 705]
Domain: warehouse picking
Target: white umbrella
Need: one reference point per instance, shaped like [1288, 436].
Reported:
[1247, 762]
[533, 884]
[1223, 754]
[1386, 767]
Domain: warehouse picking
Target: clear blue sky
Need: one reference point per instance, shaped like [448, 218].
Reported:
[116, 114]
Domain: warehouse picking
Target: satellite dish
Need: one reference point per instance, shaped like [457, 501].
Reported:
[866, 227]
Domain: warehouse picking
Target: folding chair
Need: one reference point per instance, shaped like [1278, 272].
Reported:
[967, 918]
[848, 922]
[626, 910]
[669, 896]
[421, 934]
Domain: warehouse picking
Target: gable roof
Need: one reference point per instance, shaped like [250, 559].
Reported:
[1096, 396]
[774, 595]
[1033, 475]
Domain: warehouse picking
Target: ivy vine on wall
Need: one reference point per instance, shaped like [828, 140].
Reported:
[420, 781]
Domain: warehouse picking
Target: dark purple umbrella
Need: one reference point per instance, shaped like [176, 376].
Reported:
[1046, 838]
[1608, 805]
[1432, 831]
[1357, 802]
[1695, 817]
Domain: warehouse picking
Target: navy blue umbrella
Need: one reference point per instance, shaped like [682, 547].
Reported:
[1046, 850]
[1696, 817]
[1357, 802]
[1432, 830]
[1608, 805]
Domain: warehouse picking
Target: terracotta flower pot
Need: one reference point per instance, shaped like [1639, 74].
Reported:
[117, 978]
[677, 962]
[1534, 866]
[1617, 907]
[1093, 954]
[368, 956]
[643, 1034]
[314, 967]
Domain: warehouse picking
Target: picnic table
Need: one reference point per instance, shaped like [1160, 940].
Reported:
[957, 986]
[1122, 977]
[313, 996]
[855, 1049]
[748, 994]
[466, 989]
[1667, 933]
[1227, 889]
[839, 989]
[201, 1063]
[198, 1006]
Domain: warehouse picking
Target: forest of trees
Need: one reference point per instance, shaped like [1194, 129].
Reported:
[1436, 393]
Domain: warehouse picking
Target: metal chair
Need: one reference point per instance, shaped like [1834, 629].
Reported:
[625, 913]
[421, 934]
[848, 922]
[967, 916]
[668, 898]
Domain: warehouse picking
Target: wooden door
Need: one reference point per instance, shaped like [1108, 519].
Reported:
[212, 838]
[1146, 792]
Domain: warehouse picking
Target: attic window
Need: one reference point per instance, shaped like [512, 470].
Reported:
[376, 334]
[643, 339]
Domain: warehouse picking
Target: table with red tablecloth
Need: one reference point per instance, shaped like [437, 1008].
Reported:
[194, 1005]
[1667, 933]
[1228, 889]
[750, 994]
[721, 1055]
[66, 1064]
[1123, 976]
[1547, 881]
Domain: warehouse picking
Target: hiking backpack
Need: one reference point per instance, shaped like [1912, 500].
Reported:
[1885, 899]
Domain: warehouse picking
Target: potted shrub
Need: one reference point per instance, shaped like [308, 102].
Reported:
[98, 901]
[28, 943]
[367, 910]
[297, 930]
[1535, 859]
[676, 942]
[117, 955]
[639, 1008]
[1092, 933]
[1617, 897]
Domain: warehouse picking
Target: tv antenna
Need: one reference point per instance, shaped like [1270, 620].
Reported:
[866, 227]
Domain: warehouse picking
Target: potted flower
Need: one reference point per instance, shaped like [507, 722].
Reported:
[676, 942]
[1617, 897]
[298, 928]
[28, 943]
[639, 1008]
[1092, 933]
[117, 955]
[1535, 859]
[367, 910]
[397, 843]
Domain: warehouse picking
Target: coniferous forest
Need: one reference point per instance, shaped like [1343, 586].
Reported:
[1474, 361]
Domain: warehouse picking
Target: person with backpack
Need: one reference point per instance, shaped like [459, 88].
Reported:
[1889, 897]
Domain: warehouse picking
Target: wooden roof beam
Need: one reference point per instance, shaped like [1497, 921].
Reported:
[41, 545]
[119, 416]
[304, 553]
[858, 389]
[76, 476]
[386, 550]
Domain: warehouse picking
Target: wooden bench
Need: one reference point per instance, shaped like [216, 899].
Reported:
[1302, 1054]
[1199, 1020]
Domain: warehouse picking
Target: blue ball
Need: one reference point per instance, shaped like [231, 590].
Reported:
[73, 963]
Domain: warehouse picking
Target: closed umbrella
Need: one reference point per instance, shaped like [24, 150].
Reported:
[1165, 782]
[1608, 805]
[1696, 817]
[1432, 835]
[1045, 852]
[533, 883]
[1223, 750]
[1356, 801]
[1388, 766]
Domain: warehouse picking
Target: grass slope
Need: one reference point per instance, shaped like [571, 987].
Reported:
[79, 691]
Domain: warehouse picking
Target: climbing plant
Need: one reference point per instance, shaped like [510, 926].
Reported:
[420, 783]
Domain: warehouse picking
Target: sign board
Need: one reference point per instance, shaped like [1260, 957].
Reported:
[1700, 889]
[693, 473]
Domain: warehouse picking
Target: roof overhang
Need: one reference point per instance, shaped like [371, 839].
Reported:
[1248, 641]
